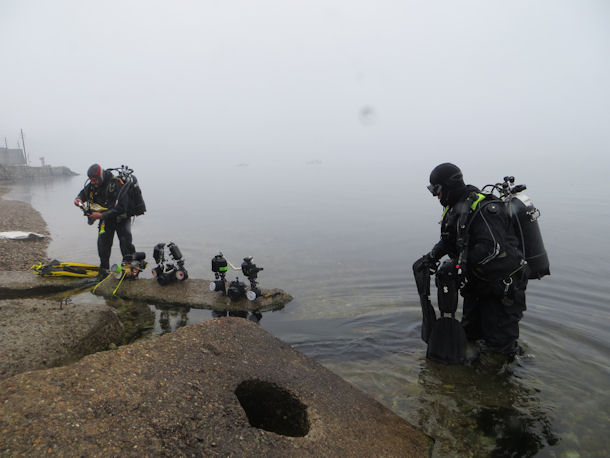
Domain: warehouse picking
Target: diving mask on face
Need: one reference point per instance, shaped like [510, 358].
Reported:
[435, 189]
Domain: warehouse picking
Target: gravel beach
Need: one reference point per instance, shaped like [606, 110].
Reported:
[20, 216]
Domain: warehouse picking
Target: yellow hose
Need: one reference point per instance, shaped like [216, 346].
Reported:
[95, 287]
[121, 281]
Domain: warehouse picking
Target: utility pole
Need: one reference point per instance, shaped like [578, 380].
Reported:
[25, 156]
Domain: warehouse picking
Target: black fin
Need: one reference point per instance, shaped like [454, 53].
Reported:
[447, 342]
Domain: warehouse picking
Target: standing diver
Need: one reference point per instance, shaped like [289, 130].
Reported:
[102, 193]
[478, 236]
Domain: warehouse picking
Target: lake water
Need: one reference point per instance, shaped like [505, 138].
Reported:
[341, 238]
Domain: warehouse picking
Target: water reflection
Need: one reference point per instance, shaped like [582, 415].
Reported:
[172, 318]
[483, 409]
[250, 316]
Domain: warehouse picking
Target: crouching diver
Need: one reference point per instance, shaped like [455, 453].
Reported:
[101, 193]
[486, 266]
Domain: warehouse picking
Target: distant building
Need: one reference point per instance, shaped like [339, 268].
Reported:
[11, 156]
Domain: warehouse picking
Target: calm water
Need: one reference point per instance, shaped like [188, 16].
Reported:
[341, 239]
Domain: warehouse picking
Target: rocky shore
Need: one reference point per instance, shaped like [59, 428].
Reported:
[20, 216]
[42, 332]
[224, 387]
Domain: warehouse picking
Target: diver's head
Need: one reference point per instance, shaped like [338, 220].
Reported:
[447, 183]
[96, 174]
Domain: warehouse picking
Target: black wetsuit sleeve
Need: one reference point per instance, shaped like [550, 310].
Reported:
[84, 194]
[117, 201]
[439, 250]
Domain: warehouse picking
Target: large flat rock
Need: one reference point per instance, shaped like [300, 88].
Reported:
[224, 387]
[42, 333]
[27, 284]
[193, 292]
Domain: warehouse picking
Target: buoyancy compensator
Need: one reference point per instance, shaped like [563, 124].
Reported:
[524, 216]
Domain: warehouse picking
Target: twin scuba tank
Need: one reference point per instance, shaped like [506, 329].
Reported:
[524, 216]
[173, 270]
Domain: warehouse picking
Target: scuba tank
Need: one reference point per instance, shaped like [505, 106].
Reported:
[524, 216]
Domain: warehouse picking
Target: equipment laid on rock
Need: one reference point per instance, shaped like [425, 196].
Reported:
[237, 289]
[131, 266]
[173, 270]
[219, 267]
[56, 268]
[250, 270]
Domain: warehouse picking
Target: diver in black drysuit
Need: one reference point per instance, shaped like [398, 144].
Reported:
[103, 189]
[495, 274]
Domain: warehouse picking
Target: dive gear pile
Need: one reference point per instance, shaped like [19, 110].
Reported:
[130, 268]
[172, 270]
[237, 289]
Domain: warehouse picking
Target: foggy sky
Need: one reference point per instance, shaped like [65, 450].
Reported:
[403, 82]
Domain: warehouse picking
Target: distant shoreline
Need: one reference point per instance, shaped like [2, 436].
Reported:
[11, 173]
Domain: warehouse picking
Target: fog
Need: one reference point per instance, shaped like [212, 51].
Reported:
[403, 85]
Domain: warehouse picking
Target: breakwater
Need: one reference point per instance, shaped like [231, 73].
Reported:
[10, 173]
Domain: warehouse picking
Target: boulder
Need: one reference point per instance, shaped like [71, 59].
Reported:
[224, 387]
[42, 333]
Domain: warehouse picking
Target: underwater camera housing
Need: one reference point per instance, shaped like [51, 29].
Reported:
[237, 290]
[251, 270]
[173, 270]
[219, 267]
[86, 208]
[131, 266]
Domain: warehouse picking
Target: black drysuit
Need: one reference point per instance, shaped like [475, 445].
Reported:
[114, 219]
[494, 295]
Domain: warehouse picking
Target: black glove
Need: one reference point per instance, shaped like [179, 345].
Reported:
[427, 261]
